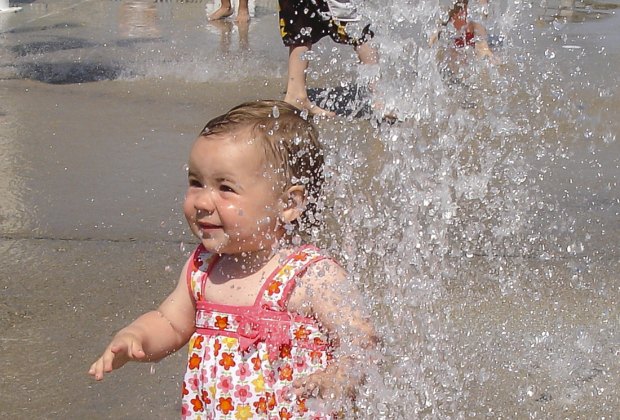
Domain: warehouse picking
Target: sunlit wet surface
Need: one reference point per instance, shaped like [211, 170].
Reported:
[483, 226]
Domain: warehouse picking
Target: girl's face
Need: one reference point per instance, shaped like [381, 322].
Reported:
[460, 18]
[233, 200]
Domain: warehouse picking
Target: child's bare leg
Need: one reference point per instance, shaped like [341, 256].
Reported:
[224, 11]
[296, 92]
[367, 54]
[243, 13]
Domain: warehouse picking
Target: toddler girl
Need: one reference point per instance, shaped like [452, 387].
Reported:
[270, 321]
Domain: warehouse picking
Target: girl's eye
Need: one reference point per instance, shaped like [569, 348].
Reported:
[226, 188]
[194, 183]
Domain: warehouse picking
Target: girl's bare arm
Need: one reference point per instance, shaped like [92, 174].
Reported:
[327, 294]
[153, 335]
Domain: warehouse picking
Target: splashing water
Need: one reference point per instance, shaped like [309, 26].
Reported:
[453, 220]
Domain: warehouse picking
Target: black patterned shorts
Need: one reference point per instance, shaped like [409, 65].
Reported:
[307, 21]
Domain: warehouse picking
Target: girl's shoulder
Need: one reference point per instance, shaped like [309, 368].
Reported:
[322, 268]
[318, 259]
[322, 287]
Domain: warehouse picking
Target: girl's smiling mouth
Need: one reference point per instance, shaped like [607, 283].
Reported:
[207, 226]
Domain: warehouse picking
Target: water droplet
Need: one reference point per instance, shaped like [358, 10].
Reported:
[558, 25]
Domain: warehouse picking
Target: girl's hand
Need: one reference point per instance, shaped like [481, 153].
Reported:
[329, 384]
[154, 335]
[124, 347]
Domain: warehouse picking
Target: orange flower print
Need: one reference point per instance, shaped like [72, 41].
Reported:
[284, 414]
[216, 347]
[274, 287]
[286, 373]
[300, 256]
[315, 356]
[198, 342]
[197, 404]
[301, 405]
[318, 342]
[271, 400]
[227, 360]
[260, 406]
[184, 389]
[256, 362]
[285, 351]
[221, 322]
[225, 405]
[302, 333]
[194, 361]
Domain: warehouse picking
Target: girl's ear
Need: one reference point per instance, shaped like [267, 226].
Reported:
[294, 203]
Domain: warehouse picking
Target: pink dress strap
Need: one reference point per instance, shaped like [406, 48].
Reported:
[279, 286]
[200, 266]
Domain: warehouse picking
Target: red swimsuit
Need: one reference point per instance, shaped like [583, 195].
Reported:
[467, 40]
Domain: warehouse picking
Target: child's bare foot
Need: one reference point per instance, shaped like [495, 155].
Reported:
[221, 13]
[304, 103]
[382, 113]
[243, 16]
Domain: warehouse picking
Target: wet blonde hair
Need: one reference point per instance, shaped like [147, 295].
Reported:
[290, 143]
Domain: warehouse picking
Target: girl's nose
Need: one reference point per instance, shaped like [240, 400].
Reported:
[204, 200]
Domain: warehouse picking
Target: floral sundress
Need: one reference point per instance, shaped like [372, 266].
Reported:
[243, 359]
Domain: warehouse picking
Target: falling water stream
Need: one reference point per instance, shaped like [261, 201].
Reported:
[471, 226]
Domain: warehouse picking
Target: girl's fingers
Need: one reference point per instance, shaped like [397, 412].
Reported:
[117, 348]
[299, 386]
[136, 351]
[305, 388]
[96, 370]
[115, 356]
[311, 389]
[132, 350]
[107, 360]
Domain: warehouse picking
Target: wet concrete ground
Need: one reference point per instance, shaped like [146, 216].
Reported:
[91, 180]
[99, 103]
